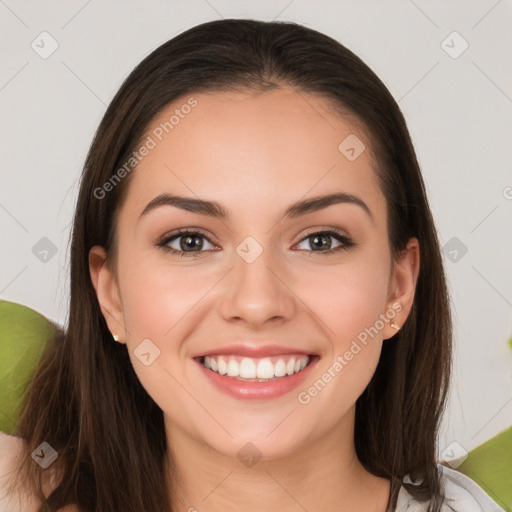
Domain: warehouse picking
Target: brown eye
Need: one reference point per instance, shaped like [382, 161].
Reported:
[321, 242]
[186, 243]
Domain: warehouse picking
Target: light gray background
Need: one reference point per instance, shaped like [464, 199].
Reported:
[458, 111]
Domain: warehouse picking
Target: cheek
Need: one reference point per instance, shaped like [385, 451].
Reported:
[159, 300]
[157, 294]
[349, 301]
[353, 354]
[346, 298]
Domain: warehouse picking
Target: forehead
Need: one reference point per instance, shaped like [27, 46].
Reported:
[244, 147]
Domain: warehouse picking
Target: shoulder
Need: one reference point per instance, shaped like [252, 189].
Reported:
[461, 495]
[11, 499]
[10, 449]
[465, 492]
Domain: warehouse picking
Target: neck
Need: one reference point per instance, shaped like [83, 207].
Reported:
[324, 474]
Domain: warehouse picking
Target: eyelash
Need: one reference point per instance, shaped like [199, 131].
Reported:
[346, 242]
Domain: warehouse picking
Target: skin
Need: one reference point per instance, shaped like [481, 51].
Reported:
[256, 154]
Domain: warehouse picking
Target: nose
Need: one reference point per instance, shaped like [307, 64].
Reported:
[257, 292]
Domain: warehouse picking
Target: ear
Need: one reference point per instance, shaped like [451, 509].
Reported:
[107, 291]
[402, 287]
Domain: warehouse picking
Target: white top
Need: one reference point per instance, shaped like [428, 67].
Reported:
[462, 493]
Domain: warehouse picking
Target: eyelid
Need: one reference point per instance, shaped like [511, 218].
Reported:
[165, 238]
[324, 229]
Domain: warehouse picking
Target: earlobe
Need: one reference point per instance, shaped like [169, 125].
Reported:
[107, 292]
[403, 286]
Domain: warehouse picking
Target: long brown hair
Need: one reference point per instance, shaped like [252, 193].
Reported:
[85, 399]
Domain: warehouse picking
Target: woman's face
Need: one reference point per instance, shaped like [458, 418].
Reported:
[257, 289]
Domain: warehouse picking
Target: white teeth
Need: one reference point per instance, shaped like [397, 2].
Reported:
[247, 368]
[222, 366]
[265, 369]
[233, 368]
[280, 368]
[256, 369]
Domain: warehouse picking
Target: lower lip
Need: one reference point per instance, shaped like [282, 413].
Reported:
[246, 390]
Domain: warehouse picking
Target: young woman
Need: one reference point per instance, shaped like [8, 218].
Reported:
[259, 317]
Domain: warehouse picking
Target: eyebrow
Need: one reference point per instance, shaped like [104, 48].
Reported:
[216, 210]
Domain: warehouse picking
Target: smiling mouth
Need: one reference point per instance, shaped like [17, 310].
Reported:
[251, 369]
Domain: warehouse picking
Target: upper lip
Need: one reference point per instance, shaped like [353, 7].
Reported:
[256, 351]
